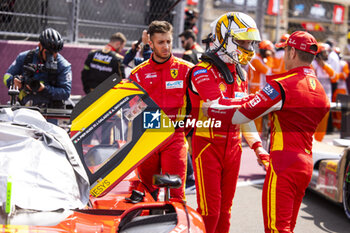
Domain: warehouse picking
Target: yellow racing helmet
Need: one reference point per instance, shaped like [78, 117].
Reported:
[228, 30]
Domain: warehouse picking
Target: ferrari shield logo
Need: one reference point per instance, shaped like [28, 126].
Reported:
[174, 72]
[312, 83]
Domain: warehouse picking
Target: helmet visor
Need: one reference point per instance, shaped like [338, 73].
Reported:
[245, 55]
[246, 34]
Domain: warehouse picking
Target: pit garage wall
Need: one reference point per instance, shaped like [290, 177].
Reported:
[75, 54]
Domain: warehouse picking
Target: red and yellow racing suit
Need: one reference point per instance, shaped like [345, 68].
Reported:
[166, 84]
[298, 103]
[216, 150]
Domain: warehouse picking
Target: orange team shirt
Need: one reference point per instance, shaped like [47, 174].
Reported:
[257, 77]
[344, 70]
[278, 67]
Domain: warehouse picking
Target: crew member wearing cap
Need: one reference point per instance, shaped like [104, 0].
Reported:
[279, 55]
[298, 103]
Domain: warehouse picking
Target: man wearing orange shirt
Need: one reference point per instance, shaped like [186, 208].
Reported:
[341, 87]
[261, 65]
[326, 75]
[279, 61]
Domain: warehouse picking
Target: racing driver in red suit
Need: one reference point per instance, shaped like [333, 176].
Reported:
[217, 149]
[163, 77]
[298, 103]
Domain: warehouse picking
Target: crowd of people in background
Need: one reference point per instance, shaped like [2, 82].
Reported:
[331, 70]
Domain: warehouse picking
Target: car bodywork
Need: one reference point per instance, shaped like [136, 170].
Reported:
[331, 174]
[110, 138]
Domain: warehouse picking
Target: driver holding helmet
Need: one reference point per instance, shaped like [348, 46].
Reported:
[42, 75]
[217, 150]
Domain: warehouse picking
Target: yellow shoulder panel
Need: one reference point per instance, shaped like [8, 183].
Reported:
[183, 62]
[205, 64]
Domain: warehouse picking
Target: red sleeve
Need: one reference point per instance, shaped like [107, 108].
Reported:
[204, 82]
[264, 100]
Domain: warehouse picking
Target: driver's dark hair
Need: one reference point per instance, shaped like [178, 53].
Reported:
[159, 27]
[51, 40]
[188, 34]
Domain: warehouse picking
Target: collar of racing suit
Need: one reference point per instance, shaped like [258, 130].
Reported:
[111, 48]
[232, 68]
[160, 66]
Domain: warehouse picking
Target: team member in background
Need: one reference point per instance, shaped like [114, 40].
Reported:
[296, 94]
[163, 77]
[341, 87]
[334, 62]
[131, 59]
[42, 75]
[279, 61]
[217, 150]
[261, 65]
[102, 63]
[326, 75]
[192, 50]
[191, 18]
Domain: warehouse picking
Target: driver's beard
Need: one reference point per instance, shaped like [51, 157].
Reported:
[187, 46]
[160, 56]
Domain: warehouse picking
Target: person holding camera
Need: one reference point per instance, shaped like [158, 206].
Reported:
[191, 18]
[42, 76]
[326, 75]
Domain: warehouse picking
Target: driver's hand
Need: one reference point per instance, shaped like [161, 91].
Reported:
[205, 107]
[145, 36]
[263, 157]
[133, 46]
[42, 87]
